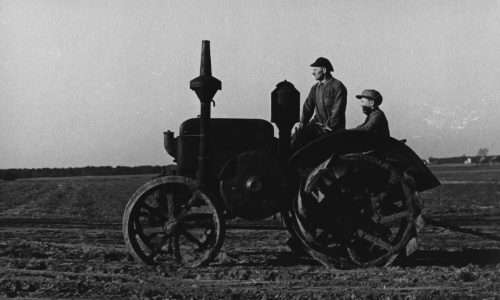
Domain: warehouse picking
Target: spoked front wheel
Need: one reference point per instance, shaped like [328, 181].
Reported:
[170, 221]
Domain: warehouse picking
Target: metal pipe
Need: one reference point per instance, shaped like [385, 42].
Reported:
[204, 154]
[205, 86]
[206, 62]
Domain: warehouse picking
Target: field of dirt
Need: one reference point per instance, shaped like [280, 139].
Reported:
[61, 238]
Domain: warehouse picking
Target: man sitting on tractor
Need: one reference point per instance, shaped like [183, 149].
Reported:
[375, 118]
[327, 101]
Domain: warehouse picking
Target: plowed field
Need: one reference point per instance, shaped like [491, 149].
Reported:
[61, 238]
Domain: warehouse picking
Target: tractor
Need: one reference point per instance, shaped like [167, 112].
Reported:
[348, 199]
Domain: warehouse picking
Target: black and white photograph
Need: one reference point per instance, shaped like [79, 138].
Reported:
[266, 149]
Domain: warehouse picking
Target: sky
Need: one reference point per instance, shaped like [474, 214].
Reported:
[96, 83]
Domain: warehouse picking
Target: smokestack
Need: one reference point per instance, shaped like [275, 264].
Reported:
[205, 86]
[206, 63]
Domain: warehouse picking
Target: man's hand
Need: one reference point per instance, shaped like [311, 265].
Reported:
[298, 127]
[323, 126]
[326, 128]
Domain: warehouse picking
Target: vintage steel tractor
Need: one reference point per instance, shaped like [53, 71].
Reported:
[348, 198]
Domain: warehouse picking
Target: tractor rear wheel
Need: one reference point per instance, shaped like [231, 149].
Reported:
[355, 210]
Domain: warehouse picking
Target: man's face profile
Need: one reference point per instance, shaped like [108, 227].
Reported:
[319, 73]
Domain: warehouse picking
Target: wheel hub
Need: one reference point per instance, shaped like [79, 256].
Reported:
[171, 227]
[254, 184]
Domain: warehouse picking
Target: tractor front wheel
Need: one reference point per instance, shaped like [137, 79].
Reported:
[169, 220]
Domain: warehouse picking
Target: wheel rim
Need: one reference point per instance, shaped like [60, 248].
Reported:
[369, 209]
[171, 221]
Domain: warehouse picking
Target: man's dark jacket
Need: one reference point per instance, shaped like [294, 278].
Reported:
[328, 100]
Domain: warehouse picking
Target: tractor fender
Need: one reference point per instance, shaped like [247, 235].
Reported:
[355, 141]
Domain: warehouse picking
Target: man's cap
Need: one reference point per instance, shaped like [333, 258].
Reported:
[371, 94]
[323, 63]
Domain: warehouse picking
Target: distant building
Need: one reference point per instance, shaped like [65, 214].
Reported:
[468, 161]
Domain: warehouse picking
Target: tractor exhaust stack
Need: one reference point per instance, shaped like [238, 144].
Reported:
[205, 86]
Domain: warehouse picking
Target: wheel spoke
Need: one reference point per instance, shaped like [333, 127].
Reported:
[375, 240]
[152, 210]
[170, 246]
[160, 199]
[191, 201]
[152, 231]
[184, 212]
[137, 229]
[394, 217]
[170, 206]
[192, 238]
[177, 249]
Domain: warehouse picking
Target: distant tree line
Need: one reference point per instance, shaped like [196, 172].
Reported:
[492, 159]
[13, 174]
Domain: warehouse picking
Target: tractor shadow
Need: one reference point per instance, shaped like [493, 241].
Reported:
[459, 258]
[442, 258]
